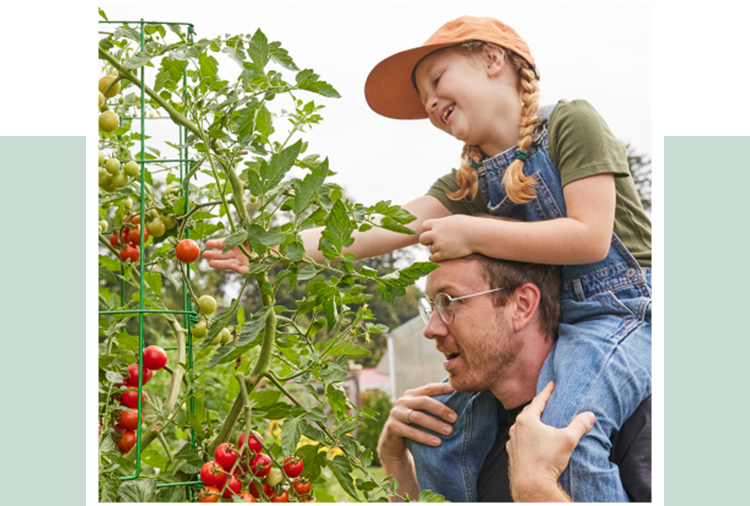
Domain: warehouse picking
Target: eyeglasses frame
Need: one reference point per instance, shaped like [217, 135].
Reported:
[434, 307]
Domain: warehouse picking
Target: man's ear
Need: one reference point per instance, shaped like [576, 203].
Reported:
[494, 60]
[527, 298]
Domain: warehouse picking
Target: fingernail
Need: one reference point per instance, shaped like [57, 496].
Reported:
[452, 417]
[435, 441]
[446, 429]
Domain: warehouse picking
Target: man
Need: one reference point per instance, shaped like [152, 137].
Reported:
[496, 323]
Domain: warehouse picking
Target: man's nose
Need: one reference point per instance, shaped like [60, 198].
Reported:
[436, 327]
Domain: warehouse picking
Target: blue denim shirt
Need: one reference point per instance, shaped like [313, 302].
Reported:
[601, 361]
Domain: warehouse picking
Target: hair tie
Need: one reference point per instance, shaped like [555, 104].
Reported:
[521, 155]
[474, 164]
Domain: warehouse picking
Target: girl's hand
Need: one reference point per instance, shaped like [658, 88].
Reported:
[392, 444]
[233, 259]
[449, 237]
[539, 453]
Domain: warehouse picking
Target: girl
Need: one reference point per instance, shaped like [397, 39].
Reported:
[561, 172]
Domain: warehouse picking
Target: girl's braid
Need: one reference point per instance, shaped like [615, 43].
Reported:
[520, 188]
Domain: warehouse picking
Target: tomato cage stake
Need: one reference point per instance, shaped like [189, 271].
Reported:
[189, 314]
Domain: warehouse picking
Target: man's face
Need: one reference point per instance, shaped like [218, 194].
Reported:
[480, 345]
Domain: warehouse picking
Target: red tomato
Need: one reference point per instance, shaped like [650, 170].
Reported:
[130, 253]
[284, 497]
[260, 465]
[129, 420]
[154, 358]
[114, 239]
[268, 490]
[233, 487]
[133, 374]
[135, 219]
[226, 455]
[129, 398]
[127, 441]
[134, 235]
[187, 251]
[302, 486]
[293, 466]
[212, 474]
[253, 442]
[246, 497]
[209, 494]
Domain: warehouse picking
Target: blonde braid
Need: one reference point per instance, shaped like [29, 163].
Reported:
[521, 189]
[467, 174]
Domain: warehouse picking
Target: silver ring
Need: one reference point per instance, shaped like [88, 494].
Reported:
[406, 417]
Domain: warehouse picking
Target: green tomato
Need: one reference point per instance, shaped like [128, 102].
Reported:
[169, 221]
[217, 340]
[127, 203]
[105, 178]
[225, 335]
[207, 304]
[101, 158]
[274, 477]
[103, 226]
[200, 331]
[119, 180]
[132, 169]
[156, 227]
[112, 166]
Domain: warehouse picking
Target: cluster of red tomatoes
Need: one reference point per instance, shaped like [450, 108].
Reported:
[224, 476]
[154, 358]
[129, 239]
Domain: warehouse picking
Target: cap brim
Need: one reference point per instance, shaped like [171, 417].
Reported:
[389, 90]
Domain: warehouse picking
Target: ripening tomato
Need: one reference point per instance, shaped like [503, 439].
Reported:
[253, 442]
[233, 487]
[274, 477]
[246, 497]
[129, 420]
[260, 465]
[127, 441]
[293, 466]
[154, 358]
[114, 239]
[226, 455]
[187, 251]
[209, 494]
[130, 253]
[283, 497]
[133, 374]
[134, 235]
[302, 486]
[212, 474]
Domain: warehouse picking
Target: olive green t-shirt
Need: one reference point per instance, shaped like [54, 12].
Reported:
[581, 145]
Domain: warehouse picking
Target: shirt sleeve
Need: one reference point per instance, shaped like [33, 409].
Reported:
[581, 143]
[449, 184]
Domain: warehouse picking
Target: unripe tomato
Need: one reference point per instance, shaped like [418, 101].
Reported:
[233, 487]
[101, 158]
[127, 203]
[253, 442]
[133, 374]
[130, 253]
[187, 251]
[260, 465]
[109, 121]
[104, 83]
[156, 227]
[101, 100]
[103, 225]
[226, 455]
[112, 165]
[293, 466]
[274, 477]
[119, 180]
[154, 358]
[169, 221]
[127, 441]
[212, 474]
[207, 304]
[209, 494]
[225, 336]
[129, 420]
[200, 331]
[131, 168]
[301, 486]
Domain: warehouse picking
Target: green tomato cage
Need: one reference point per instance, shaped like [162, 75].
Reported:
[189, 315]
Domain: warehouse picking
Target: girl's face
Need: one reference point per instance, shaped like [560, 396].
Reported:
[463, 95]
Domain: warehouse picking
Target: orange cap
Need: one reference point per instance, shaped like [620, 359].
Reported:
[389, 89]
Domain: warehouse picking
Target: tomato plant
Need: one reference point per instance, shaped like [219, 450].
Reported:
[247, 175]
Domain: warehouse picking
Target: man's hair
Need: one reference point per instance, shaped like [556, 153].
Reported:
[511, 275]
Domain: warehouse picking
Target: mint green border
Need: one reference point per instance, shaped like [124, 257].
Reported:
[44, 317]
[706, 309]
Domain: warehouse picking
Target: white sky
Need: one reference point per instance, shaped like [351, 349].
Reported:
[601, 53]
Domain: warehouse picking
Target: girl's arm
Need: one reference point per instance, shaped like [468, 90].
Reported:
[374, 242]
[584, 236]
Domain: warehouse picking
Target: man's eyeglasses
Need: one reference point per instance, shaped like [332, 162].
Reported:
[445, 305]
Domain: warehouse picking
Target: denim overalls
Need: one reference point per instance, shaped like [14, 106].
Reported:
[601, 361]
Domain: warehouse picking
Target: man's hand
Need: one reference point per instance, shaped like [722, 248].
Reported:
[539, 453]
[392, 449]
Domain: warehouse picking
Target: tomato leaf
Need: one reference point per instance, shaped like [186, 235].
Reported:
[309, 81]
[338, 232]
[430, 496]
[109, 490]
[281, 56]
[188, 459]
[349, 349]
[258, 49]
[137, 61]
[280, 164]
[291, 430]
[342, 471]
[245, 341]
[307, 188]
[337, 400]
[141, 490]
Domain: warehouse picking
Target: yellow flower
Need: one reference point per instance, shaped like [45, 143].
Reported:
[367, 337]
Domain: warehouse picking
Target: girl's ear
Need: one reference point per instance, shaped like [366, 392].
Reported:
[494, 59]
